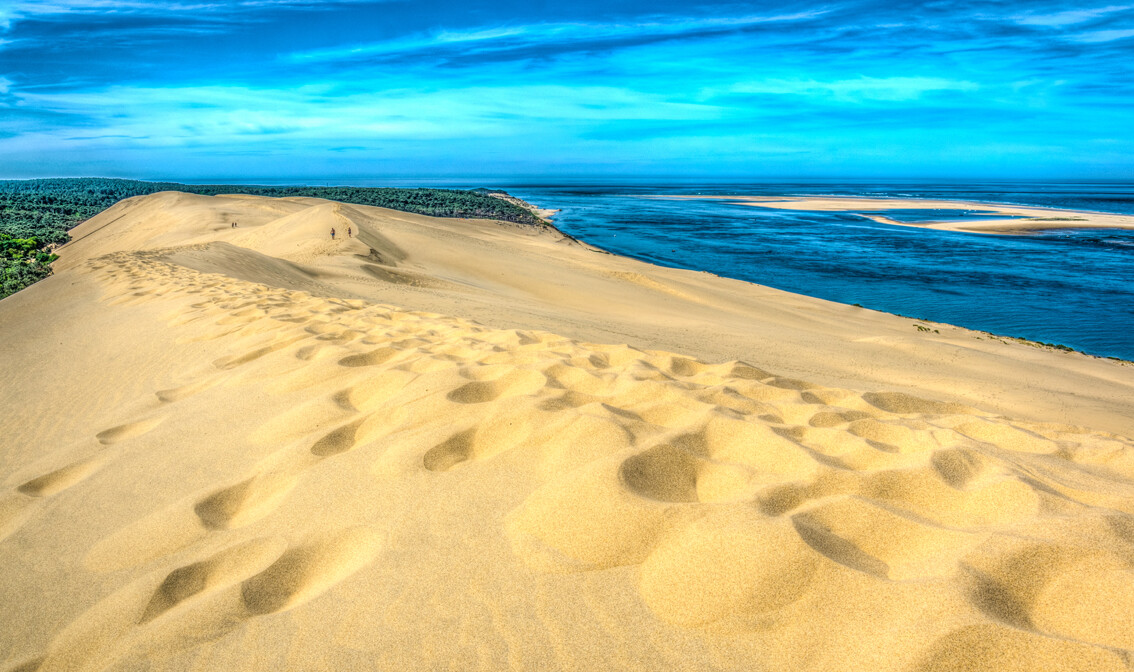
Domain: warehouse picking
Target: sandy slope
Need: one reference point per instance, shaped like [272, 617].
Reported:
[228, 449]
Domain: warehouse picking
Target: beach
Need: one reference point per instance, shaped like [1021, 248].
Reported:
[466, 444]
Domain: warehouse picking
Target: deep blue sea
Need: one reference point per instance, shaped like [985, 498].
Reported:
[1074, 288]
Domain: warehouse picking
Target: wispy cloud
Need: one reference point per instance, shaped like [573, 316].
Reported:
[235, 111]
[199, 12]
[21, 9]
[30, 8]
[1097, 36]
[108, 137]
[546, 35]
[892, 89]
[1069, 17]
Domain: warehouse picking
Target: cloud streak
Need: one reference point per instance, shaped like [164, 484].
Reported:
[546, 38]
[861, 89]
[1070, 17]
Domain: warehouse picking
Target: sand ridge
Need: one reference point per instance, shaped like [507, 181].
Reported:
[301, 481]
[511, 277]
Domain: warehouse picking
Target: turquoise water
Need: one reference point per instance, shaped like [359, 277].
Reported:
[1069, 287]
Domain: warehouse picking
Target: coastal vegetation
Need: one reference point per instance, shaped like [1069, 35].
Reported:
[23, 261]
[35, 215]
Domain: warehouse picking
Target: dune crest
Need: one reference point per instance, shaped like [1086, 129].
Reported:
[284, 477]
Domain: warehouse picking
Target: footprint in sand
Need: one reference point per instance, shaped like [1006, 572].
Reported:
[578, 380]
[305, 572]
[246, 502]
[665, 473]
[233, 361]
[339, 440]
[185, 391]
[831, 418]
[904, 404]
[570, 400]
[890, 437]
[863, 536]
[18, 507]
[372, 358]
[845, 450]
[222, 569]
[129, 430]
[205, 599]
[1067, 590]
[451, 452]
[246, 316]
[317, 352]
[512, 384]
[724, 460]
[499, 432]
[186, 522]
[993, 647]
[65, 477]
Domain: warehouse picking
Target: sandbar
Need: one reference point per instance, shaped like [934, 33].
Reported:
[1028, 218]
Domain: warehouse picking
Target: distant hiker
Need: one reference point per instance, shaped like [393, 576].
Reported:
[332, 233]
[348, 234]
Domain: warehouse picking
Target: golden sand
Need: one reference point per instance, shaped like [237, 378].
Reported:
[256, 448]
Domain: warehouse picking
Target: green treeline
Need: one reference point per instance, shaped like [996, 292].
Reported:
[22, 262]
[35, 215]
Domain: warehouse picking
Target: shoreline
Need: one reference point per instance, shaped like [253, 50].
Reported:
[842, 204]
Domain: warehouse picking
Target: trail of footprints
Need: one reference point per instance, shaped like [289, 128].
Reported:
[20, 505]
[647, 459]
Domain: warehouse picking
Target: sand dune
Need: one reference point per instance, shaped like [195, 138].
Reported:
[247, 449]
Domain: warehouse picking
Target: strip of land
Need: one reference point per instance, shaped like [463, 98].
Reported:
[440, 443]
[1028, 218]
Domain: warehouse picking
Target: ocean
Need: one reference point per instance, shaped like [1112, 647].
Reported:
[1068, 287]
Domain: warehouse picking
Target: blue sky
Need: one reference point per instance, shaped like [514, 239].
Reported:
[533, 89]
